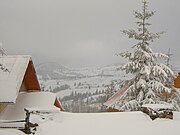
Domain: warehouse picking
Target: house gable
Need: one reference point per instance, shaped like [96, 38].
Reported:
[21, 77]
[30, 79]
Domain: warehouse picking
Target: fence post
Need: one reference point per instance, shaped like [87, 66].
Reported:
[27, 122]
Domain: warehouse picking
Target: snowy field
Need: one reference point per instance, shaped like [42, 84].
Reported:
[87, 85]
[56, 122]
[10, 132]
[127, 123]
[91, 79]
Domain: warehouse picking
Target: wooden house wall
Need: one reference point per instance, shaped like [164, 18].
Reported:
[112, 110]
[23, 88]
[177, 81]
[2, 107]
[30, 78]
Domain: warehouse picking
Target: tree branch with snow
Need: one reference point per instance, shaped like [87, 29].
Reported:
[150, 76]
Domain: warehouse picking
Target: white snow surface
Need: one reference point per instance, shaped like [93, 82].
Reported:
[159, 106]
[127, 123]
[94, 78]
[11, 132]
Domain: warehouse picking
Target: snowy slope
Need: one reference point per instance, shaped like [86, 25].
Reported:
[70, 82]
[76, 79]
[53, 70]
[11, 132]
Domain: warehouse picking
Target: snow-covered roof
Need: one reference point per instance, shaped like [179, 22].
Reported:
[116, 96]
[11, 80]
[34, 101]
[159, 106]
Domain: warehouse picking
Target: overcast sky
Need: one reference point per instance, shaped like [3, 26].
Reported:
[83, 32]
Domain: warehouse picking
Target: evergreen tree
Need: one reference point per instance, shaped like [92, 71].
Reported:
[150, 76]
[110, 89]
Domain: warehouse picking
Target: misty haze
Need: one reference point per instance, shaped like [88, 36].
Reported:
[82, 33]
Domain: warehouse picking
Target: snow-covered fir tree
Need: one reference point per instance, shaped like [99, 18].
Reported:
[110, 89]
[151, 78]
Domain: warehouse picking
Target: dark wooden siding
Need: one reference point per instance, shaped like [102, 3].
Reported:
[30, 78]
[177, 81]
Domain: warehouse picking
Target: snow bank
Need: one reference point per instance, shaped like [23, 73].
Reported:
[10, 132]
[128, 123]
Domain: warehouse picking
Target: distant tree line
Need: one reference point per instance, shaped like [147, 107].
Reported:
[60, 88]
[84, 102]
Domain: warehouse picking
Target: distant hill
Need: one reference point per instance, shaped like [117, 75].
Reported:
[55, 71]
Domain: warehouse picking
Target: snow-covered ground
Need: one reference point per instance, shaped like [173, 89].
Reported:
[11, 132]
[127, 123]
[86, 85]
[55, 122]
[90, 78]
